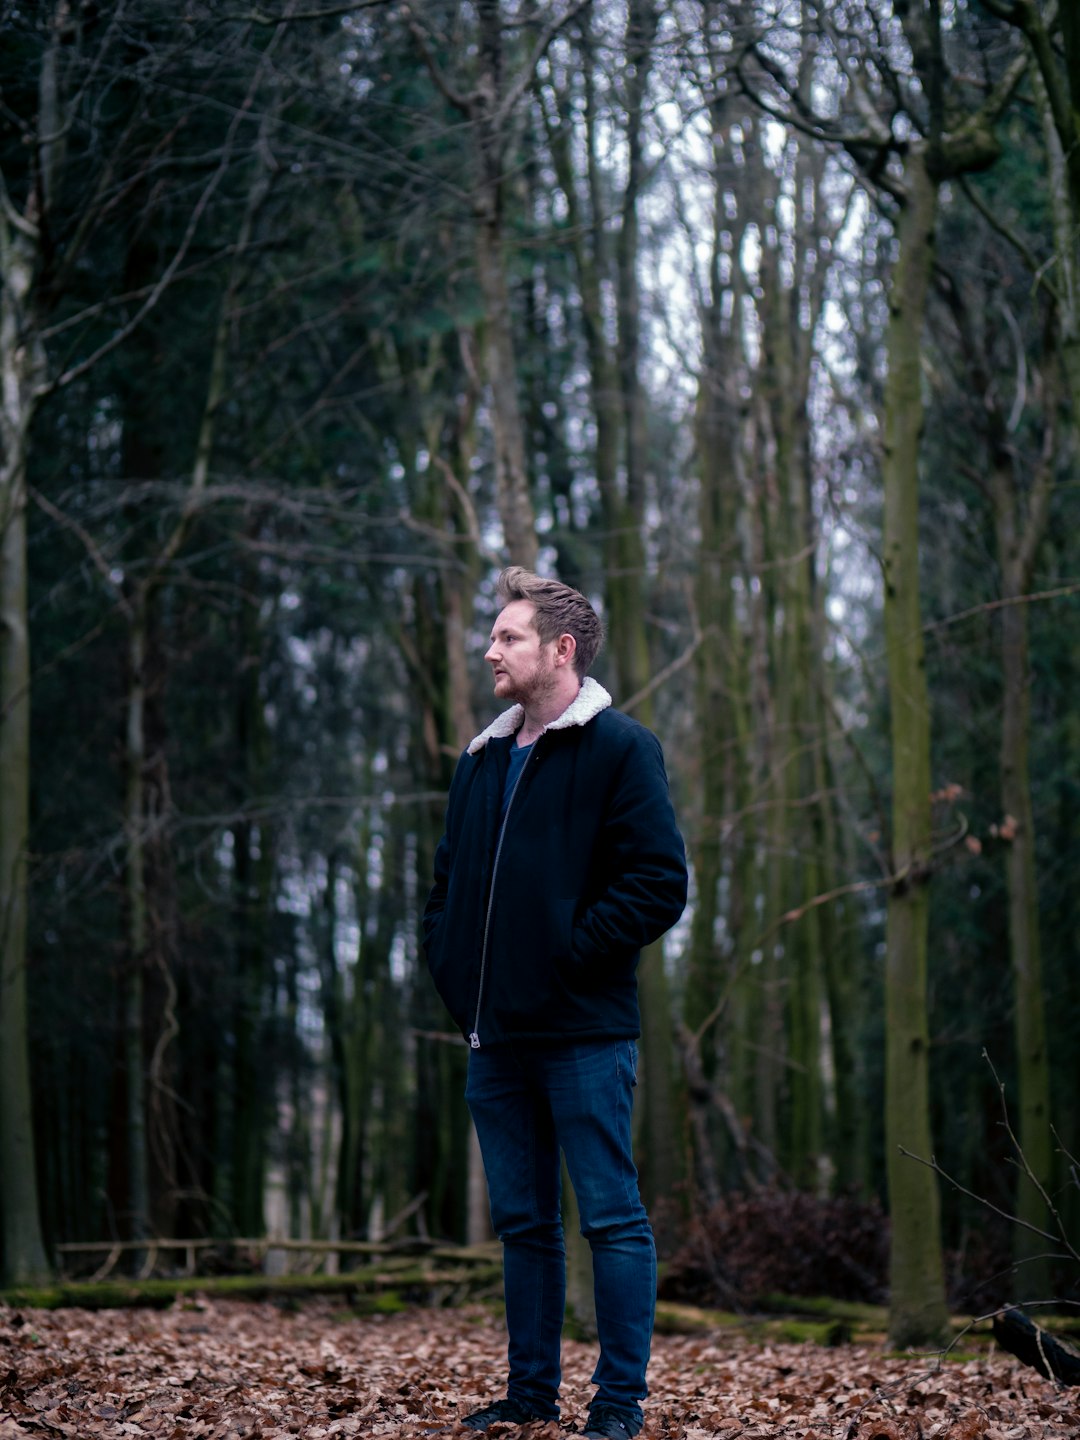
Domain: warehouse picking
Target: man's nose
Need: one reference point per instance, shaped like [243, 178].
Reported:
[491, 651]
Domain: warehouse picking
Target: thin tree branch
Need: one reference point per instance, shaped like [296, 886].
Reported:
[91, 312]
[1025, 16]
[932, 1164]
[468, 509]
[662, 676]
[854, 144]
[525, 76]
[167, 276]
[1061, 1237]
[1061, 592]
[997, 224]
[97, 559]
[974, 136]
[17, 221]
[454, 97]
[848, 737]
[260, 17]
[856, 887]
[880, 130]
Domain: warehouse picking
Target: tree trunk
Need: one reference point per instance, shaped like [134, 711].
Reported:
[1017, 542]
[718, 970]
[138, 1160]
[248, 1078]
[511, 478]
[717, 681]
[20, 370]
[661, 1125]
[490, 127]
[849, 1147]
[793, 856]
[24, 1259]
[1032, 1062]
[1056, 91]
[917, 1312]
[447, 1165]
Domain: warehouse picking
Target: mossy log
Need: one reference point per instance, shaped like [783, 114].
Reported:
[856, 1313]
[791, 1328]
[402, 1279]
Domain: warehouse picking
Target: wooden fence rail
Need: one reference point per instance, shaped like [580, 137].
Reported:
[257, 1248]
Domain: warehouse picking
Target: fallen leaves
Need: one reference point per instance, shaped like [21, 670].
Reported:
[230, 1370]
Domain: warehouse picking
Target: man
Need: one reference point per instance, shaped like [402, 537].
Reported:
[561, 860]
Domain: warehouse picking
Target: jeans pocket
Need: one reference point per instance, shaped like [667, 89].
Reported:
[631, 1059]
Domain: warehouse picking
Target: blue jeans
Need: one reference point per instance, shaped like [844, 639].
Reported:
[528, 1100]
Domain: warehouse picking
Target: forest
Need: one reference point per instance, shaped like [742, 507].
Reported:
[756, 320]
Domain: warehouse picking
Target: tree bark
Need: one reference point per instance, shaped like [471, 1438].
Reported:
[662, 1126]
[1056, 89]
[713, 960]
[492, 128]
[1017, 542]
[21, 370]
[24, 1258]
[511, 477]
[794, 859]
[138, 1159]
[917, 1311]
[1032, 1061]
[721, 978]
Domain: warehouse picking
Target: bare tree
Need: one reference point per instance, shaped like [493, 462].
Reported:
[899, 119]
[79, 167]
[490, 96]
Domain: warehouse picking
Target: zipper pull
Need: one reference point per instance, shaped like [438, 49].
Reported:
[474, 1041]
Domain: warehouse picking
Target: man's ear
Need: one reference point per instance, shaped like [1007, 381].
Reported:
[565, 649]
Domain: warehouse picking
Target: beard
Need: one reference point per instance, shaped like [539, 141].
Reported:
[535, 685]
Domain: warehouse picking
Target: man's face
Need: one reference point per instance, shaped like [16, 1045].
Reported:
[523, 669]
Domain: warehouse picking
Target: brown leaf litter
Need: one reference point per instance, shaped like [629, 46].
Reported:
[232, 1370]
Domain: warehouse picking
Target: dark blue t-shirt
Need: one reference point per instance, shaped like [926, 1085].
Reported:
[518, 755]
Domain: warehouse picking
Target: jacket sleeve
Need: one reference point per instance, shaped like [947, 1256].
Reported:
[642, 859]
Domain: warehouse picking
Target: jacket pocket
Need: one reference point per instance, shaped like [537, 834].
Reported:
[446, 976]
[580, 976]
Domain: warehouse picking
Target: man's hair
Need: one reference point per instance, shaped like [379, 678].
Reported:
[560, 610]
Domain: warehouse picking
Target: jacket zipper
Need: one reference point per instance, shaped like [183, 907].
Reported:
[474, 1036]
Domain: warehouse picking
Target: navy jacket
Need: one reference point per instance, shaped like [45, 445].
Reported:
[533, 930]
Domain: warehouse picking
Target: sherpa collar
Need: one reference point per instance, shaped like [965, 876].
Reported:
[586, 705]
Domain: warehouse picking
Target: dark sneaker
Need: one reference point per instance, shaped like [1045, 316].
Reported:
[499, 1412]
[607, 1423]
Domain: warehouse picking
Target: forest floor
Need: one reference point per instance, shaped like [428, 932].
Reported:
[234, 1370]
